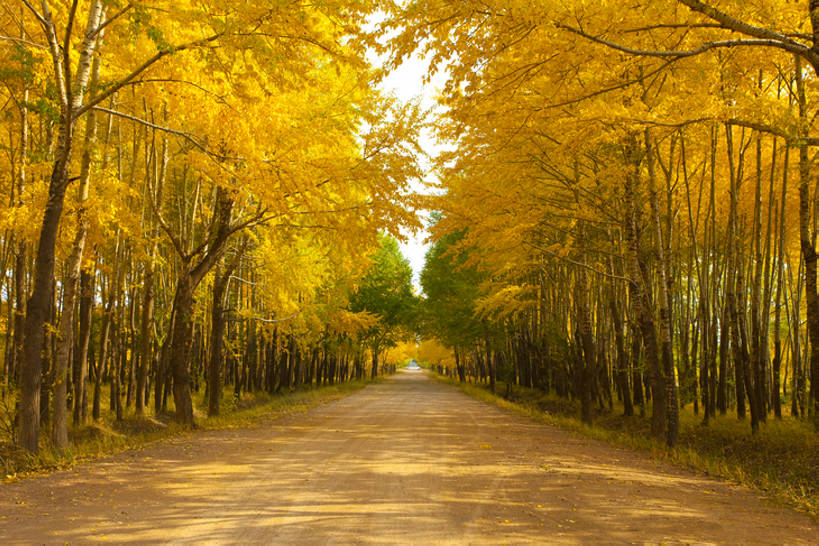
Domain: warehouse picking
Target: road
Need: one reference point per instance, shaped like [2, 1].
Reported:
[408, 460]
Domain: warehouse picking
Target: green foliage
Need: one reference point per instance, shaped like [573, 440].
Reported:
[386, 292]
[451, 288]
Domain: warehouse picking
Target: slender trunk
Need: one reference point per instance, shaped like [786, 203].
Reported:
[20, 251]
[641, 296]
[105, 333]
[584, 337]
[666, 349]
[81, 354]
[757, 359]
[217, 333]
[806, 239]
[780, 264]
[42, 291]
[66, 336]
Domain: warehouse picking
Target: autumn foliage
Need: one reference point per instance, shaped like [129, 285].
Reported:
[631, 188]
[194, 193]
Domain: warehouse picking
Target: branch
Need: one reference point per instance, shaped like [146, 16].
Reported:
[673, 26]
[36, 13]
[140, 69]
[21, 41]
[219, 98]
[256, 219]
[243, 281]
[744, 28]
[616, 87]
[111, 19]
[186, 136]
[177, 244]
[772, 131]
[790, 46]
[574, 262]
[270, 321]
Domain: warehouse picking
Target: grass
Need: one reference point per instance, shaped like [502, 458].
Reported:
[781, 460]
[108, 436]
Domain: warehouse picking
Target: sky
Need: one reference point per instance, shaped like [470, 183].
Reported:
[406, 83]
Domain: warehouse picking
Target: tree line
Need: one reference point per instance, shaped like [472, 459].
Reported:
[197, 194]
[629, 203]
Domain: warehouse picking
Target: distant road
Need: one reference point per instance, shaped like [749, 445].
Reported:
[408, 460]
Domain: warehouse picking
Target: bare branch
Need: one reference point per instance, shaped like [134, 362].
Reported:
[273, 321]
[789, 45]
[187, 136]
[673, 26]
[219, 98]
[790, 139]
[21, 41]
[111, 19]
[574, 262]
[243, 281]
[36, 13]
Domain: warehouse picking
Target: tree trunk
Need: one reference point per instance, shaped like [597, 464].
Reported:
[42, 292]
[180, 349]
[584, 335]
[666, 349]
[641, 297]
[217, 333]
[81, 354]
[806, 239]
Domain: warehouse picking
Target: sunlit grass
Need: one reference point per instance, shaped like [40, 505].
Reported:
[782, 459]
[108, 436]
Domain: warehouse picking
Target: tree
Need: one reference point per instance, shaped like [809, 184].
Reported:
[386, 292]
[577, 165]
[452, 287]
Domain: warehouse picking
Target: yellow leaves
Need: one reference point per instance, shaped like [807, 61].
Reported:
[435, 353]
[401, 353]
[507, 301]
[346, 322]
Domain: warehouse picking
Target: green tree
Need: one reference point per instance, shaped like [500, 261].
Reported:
[386, 292]
[451, 288]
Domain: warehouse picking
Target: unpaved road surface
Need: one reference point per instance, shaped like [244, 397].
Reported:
[408, 460]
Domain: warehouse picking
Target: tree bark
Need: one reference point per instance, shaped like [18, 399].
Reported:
[666, 349]
[81, 353]
[641, 297]
[41, 295]
[806, 238]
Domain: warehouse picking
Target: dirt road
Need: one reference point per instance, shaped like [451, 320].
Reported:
[408, 460]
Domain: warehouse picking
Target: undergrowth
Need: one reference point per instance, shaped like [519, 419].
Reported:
[781, 460]
[109, 436]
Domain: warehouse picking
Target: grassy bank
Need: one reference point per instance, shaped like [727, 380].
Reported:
[108, 436]
[781, 460]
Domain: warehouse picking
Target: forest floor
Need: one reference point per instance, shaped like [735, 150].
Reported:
[407, 460]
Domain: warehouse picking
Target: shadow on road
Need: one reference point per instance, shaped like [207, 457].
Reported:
[407, 460]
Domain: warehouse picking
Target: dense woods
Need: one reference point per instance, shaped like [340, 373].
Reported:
[628, 206]
[200, 199]
[193, 195]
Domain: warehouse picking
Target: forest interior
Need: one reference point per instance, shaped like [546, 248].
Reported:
[201, 226]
